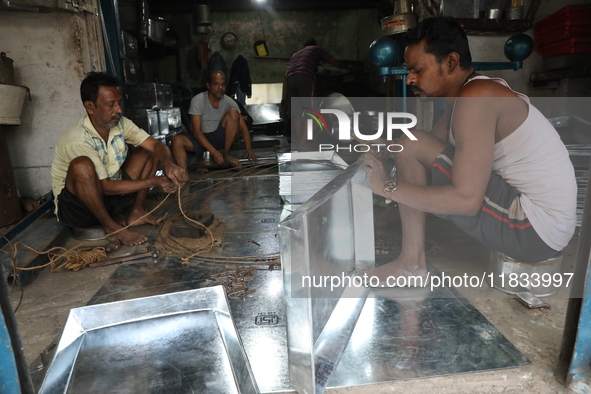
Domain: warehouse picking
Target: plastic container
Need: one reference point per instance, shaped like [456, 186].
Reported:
[564, 47]
[570, 22]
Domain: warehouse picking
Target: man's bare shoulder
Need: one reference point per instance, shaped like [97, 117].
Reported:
[486, 88]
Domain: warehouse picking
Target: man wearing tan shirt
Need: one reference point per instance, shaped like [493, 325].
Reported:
[94, 178]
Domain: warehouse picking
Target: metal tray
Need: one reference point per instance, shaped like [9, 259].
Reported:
[184, 342]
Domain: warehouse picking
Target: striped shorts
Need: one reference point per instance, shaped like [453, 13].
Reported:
[501, 224]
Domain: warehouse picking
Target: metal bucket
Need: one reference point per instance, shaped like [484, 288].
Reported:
[507, 272]
[11, 105]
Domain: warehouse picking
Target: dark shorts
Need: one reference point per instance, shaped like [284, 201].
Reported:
[502, 229]
[73, 213]
[216, 138]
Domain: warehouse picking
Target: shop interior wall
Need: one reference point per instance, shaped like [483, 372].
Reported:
[346, 34]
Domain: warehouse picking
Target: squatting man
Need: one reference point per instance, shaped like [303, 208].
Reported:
[94, 178]
[216, 120]
[493, 164]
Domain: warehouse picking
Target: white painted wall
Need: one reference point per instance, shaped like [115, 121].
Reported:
[51, 53]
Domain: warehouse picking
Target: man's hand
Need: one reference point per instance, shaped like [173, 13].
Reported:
[376, 174]
[218, 157]
[175, 173]
[165, 183]
[250, 155]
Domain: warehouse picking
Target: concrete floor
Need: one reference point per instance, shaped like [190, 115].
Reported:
[536, 333]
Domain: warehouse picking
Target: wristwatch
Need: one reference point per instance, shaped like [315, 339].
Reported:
[390, 186]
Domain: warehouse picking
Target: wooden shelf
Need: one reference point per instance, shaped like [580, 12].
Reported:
[574, 72]
[494, 26]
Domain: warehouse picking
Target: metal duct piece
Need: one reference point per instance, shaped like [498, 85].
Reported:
[329, 235]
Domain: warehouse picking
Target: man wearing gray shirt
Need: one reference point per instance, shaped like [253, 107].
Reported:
[216, 121]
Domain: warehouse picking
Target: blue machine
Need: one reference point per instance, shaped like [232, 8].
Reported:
[385, 53]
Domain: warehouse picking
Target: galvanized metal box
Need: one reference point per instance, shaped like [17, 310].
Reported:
[148, 95]
[330, 235]
[146, 119]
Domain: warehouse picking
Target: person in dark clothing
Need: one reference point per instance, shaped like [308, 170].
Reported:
[300, 77]
[240, 83]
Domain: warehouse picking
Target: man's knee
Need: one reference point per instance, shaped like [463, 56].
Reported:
[181, 142]
[409, 145]
[232, 116]
[82, 168]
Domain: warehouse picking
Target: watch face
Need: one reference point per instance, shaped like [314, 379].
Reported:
[229, 40]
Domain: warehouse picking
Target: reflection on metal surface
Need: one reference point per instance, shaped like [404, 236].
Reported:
[328, 236]
[408, 333]
[262, 114]
[177, 342]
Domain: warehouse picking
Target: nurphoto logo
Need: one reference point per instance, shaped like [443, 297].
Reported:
[392, 120]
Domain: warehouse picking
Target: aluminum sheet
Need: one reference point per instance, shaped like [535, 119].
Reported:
[176, 342]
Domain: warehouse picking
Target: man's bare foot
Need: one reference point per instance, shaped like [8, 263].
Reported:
[234, 162]
[390, 272]
[134, 219]
[128, 237]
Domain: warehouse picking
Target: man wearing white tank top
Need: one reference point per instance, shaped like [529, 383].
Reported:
[493, 164]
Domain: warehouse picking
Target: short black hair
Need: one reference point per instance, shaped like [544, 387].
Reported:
[443, 35]
[309, 42]
[209, 72]
[90, 85]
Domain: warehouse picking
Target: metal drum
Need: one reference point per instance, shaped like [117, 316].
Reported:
[507, 272]
[395, 24]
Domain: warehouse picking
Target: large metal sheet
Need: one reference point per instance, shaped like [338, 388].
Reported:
[168, 343]
[409, 333]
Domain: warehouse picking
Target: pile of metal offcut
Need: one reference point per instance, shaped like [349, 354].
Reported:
[303, 174]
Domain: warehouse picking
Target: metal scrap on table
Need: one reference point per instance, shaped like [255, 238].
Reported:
[235, 281]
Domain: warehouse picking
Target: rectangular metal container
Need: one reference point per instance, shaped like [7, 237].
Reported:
[330, 235]
[178, 342]
[148, 95]
[163, 124]
[131, 71]
[174, 118]
[130, 46]
[146, 119]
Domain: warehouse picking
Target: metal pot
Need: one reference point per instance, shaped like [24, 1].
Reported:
[157, 29]
[493, 13]
[11, 105]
